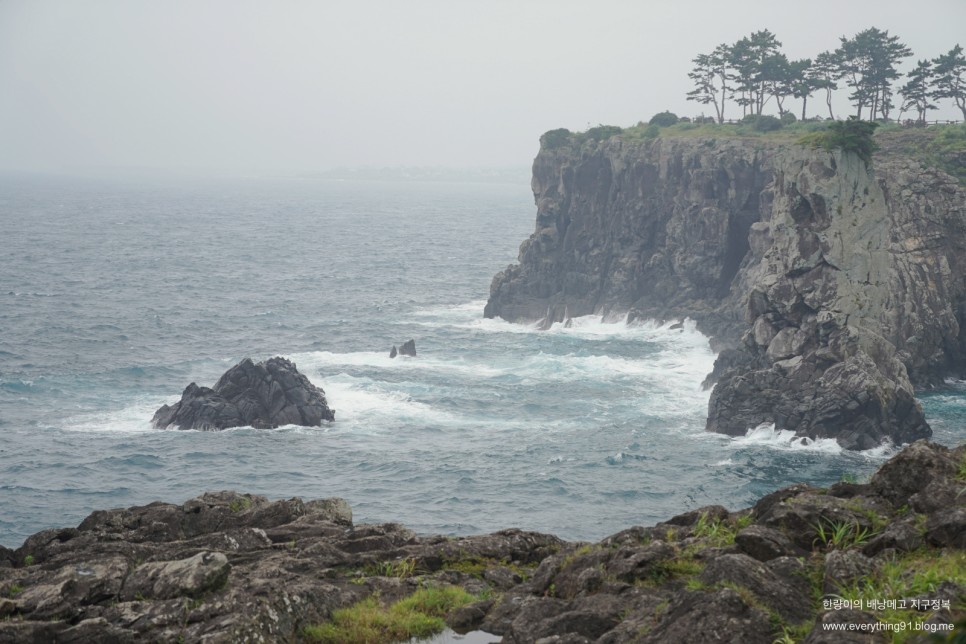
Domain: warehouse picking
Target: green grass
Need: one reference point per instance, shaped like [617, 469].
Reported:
[369, 622]
[841, 534]
[678, 569]
[240, 504]
[585, 549]
[476, 566]
[937, 146]
[939, 150]
[399, 568]
[913, 575]
[717, 533]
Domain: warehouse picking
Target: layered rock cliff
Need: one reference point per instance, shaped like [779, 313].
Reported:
[830, 287]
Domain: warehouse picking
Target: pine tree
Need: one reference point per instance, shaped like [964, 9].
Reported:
[754, 64]
[918, 90]
[950, 70]
[825, 72]
[868, 63]
[710, 76]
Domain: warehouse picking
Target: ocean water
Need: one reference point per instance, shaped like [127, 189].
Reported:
[114, 295]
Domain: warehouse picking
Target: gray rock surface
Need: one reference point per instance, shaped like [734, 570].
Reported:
[264, 395]
[831, 288]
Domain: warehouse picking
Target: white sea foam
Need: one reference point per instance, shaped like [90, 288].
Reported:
[360, 402]
[134, 418]
[326, 362]
[471, 309]
[784, 439]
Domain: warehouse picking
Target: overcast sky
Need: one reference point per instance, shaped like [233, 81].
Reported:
[280, 86]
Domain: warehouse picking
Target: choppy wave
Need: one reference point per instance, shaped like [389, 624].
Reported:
[783, 439]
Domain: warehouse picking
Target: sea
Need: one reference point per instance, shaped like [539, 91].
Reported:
[115, 294]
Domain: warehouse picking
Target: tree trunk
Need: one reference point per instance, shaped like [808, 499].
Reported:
[804, 102]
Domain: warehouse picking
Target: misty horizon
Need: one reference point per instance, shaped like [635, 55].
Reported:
[292, 88]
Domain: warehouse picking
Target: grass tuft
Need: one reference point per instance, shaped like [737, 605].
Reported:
[368, 621]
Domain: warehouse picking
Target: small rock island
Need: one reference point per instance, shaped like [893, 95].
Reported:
[265, 395]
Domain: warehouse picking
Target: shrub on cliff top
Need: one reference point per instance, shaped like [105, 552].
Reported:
[664, 119]
[602, 132]
[762, 122]
[852, 135]
[555, 138]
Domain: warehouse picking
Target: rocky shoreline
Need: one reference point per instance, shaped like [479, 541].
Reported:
[230, 567]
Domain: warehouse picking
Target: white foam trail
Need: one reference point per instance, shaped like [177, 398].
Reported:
[134, 418]
[469, 316]
[472, 309]
[359, 403]
[785, 440]
[327, 362]
[882, 452]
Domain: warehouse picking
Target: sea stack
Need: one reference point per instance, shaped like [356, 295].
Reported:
[264, 395]
[408, 348]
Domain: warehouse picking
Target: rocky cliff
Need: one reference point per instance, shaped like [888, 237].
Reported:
[831, 288]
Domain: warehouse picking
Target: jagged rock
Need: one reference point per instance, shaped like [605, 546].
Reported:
[710, 513]
[75, 586]
[764, 543]
[900, 536]
[189, 577]
[842, 567]
[469, 617]
[948, 528]
[772, 583]
[408, 348]
[715, 617]
[264, 395]
[914, 470]
[801, 517]
[631, 564]
[831, 287]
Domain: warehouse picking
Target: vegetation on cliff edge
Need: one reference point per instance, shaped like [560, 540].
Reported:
[938, 146]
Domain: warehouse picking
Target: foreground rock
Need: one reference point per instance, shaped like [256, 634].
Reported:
[228, 567]
[264, 395]
[832, 288]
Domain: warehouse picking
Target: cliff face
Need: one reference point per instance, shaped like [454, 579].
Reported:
[830, 288]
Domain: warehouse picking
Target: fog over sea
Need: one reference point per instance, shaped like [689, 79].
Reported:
[114, 295]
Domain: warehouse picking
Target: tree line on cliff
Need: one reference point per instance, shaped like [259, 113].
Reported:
[753, 71]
